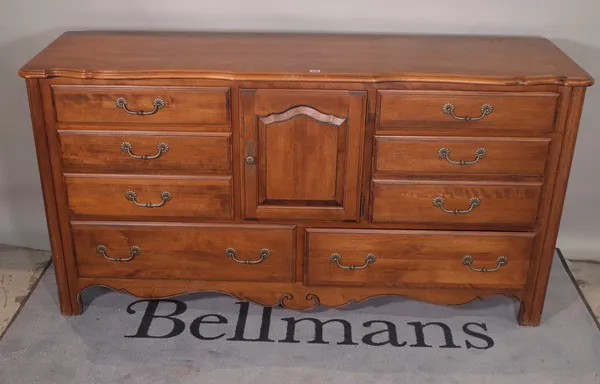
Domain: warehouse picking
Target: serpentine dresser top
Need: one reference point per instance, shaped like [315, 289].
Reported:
[304, 169]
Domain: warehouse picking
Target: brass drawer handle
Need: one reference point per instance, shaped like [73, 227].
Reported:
[157, 103]
[133, 252]
[263, 253]
[336, 258]
[162, 149]
[164, 196]
[480, 153]
[473, 203]
[500, 262]
[486, 109]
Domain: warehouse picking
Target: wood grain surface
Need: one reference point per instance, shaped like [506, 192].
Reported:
[182, 105]
[501, 204]
[307, 57]
[304, 168]
[105, 196]
[417, 258]
[187, 153]
[186, 251]
[511, 112]
[420, 155]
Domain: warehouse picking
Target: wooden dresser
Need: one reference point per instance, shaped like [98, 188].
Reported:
[301, 170]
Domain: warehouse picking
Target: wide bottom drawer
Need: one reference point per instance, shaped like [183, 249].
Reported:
[185, 251]
[417, 258]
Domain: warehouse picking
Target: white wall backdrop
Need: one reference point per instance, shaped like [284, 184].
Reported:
[26, 26]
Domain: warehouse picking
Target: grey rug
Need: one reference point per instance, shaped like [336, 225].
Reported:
[206, 338]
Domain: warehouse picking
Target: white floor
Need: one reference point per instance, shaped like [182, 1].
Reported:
[20, 268]
[587, 274]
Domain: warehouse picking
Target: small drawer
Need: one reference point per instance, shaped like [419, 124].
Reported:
[447, 204]
[418, 258]
[99, 151]
[141, 105]
[506, 111]
[134, 196]
[467, 155]
[185, 251]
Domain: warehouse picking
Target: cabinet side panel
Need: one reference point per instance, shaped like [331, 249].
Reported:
[60, 195]
[533, 301]
[45, 171]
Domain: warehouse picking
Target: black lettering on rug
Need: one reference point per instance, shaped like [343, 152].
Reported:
[265, 325]
[319, 325]
[420, 334]
[375, 333]
[390, 331]
[195, 326]
[150, 314]
[488, 340]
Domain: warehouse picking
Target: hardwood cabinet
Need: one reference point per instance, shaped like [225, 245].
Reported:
[304, 170]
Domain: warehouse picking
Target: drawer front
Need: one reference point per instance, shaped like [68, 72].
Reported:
[185, 251]
[509, 111]
[95, 151]
[200, 198]
[466, 155]
[506, 204]
[141, 105]
[427, 258]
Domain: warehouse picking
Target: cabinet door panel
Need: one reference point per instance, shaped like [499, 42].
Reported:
[298, 173]
[302, 154]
